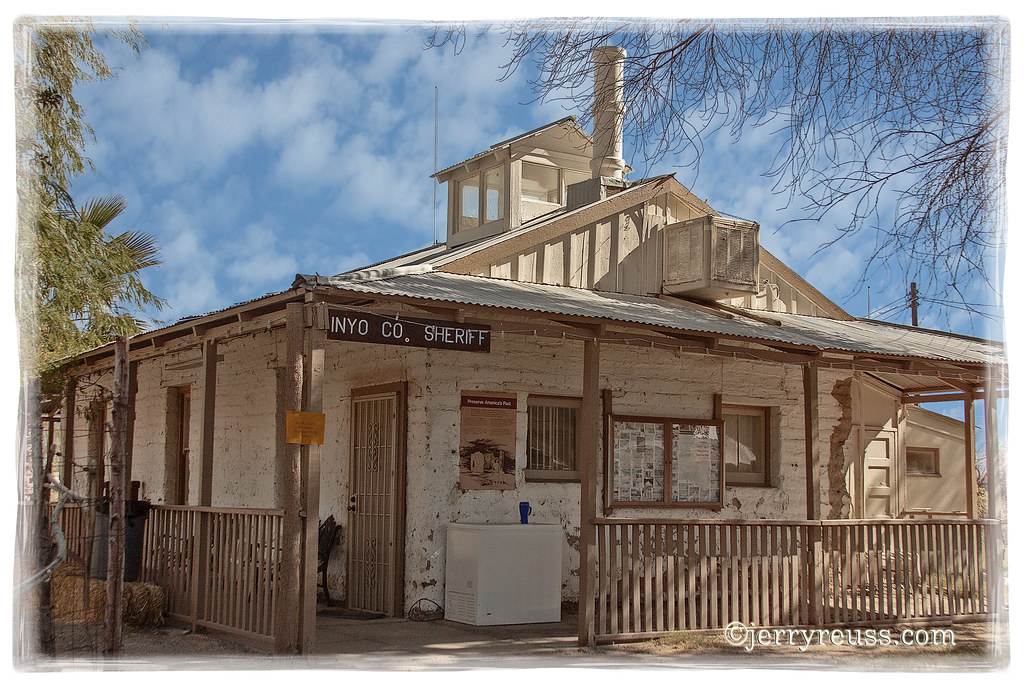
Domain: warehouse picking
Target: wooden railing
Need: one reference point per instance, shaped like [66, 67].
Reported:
[229, 586]
[74, 522]
[657, 576]
[877, 571]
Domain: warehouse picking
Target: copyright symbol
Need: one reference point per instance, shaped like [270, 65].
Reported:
[735, 633]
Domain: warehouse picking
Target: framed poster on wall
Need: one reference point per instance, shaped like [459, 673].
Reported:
[487, 442]
[665, 462]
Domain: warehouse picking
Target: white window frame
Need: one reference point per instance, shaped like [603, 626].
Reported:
[482, 197]
[563, 187]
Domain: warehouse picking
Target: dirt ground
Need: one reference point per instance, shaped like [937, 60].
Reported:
[81, 643]
[959, 647]
[976, 646]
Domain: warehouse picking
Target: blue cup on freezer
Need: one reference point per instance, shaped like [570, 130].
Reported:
[524, 512]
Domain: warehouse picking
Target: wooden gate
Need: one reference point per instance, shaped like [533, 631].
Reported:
[376, 502]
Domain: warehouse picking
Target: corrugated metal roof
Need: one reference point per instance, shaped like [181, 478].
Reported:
[517, 138]
[858, 336]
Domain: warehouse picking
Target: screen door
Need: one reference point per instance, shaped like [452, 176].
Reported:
[374, 503]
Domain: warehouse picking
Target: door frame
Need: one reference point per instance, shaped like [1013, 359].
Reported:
[400, 389]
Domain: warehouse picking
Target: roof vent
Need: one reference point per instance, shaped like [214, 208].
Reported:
[711, 258]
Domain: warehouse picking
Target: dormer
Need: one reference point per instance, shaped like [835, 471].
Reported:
[515, 181]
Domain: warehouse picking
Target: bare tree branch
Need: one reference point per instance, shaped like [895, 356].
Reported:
[891, 128]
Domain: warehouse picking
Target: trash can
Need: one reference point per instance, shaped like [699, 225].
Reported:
[136, 512]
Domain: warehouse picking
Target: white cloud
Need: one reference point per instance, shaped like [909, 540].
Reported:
[255, 260]
[188, 281]
[311, 158]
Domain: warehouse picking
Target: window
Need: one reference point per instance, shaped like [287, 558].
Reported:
[490, 203]
[469, 201]
[540, 183]
[746, 446]
[923, 461]
[494, 187]
[548, 183]
[552, 439]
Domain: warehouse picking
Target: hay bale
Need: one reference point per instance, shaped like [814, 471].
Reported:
[67, 594]
[142, 604]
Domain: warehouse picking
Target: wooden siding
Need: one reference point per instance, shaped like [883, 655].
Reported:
[621, 252]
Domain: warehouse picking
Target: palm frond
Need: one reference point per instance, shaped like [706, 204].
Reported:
[100, 211]
[141, 248]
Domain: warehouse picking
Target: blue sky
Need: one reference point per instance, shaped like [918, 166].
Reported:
[254, 151]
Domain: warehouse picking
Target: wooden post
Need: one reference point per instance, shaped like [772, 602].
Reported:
[590, 430]
[129, 449]
[97, 419]
[314, 394]
[202, 558]
[970, 465]
[94, 485]
[995, 496]
[289, 607]
[67, 435]
[607, 409]
[815, 582]
[48, 452]
[209, 410]
[811, 446]
[115, 538]
[993, 465]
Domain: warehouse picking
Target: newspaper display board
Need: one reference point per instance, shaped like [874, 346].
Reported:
[665, 462]
[696, 463]
[639, 462]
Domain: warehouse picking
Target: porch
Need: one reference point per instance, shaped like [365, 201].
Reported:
[653, 578]
[252, 573]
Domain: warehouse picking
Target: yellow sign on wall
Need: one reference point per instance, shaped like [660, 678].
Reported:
[304, 428]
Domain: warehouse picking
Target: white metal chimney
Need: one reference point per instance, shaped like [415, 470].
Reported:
[608, 112]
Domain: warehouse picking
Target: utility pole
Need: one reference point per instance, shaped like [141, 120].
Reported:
[913, 304]
[118, 458]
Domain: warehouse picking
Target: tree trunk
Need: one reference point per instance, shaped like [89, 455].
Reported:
[43, 550]
[118, 458]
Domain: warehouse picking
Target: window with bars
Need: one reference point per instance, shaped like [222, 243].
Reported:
[746, 446]
[552, 439]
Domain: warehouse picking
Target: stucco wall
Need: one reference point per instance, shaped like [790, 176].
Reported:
[642, 381]
[946, 492]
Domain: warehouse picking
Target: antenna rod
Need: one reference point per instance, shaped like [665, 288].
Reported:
[433, 206]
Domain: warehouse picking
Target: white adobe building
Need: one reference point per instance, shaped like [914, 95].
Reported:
[605, 312]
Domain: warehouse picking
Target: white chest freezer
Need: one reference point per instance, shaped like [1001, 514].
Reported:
[503, 573]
